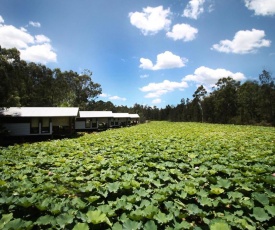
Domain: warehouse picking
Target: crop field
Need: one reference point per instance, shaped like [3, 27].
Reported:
[159, 175]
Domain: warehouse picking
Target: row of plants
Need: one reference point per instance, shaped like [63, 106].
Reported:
[158, 175]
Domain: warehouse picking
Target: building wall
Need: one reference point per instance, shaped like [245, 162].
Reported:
[18, 129]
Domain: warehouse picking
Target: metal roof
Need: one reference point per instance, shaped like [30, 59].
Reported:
[95, 114]
[134, 115]
[121, 115]
[40, 111]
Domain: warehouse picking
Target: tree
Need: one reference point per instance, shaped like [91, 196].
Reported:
[199, 95]
[248, 102]
[225, 99]
[267, 97]
[31, 84]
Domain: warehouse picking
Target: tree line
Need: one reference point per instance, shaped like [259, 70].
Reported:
[31, 84]
[229, 102]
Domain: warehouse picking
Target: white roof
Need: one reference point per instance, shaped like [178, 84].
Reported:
[95, 114]
[121, 115]
[41, 111]
[134, 115]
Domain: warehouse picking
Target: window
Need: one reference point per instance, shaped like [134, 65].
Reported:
[34, 126]
[88, 123]
[45, 125]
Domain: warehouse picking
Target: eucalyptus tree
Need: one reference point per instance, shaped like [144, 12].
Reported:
[225, 99]
[267, 97]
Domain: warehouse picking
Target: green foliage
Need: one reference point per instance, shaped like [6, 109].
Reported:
[159, 175]
[30, 84]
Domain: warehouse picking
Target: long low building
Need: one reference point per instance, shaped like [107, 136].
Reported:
[25, 121]
[95, 120]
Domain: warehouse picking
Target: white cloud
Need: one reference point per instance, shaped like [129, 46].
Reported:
[244, 41]
[39, 53]
[155, 90]
[183, 32]
[11, 37]
[151, 20]
[209, 77]
[261, 7]
[34, 24]
[1, 19]
[104, 95]
[156, 101]
[42, 39]
[166, 60]
[193, 9]
[117, 98]
[32, 48]
[144, 76]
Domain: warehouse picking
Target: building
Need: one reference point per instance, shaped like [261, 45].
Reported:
[23, 121]
[93, 120]
[34, 121]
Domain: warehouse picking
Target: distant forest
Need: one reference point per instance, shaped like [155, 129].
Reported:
[230, 102]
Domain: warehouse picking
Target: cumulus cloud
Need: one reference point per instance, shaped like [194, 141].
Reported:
[117, 98]
[183, 32]
[11, 36]
[244, 41]
[42, 39]
[193, 9]
[34, 24]
[261, 7]
[144, 76]
[166, 60]
[155, 90]
[209, 77]
[104, 95]
[32, 48]
[42, 53]
[151, 20]
[156, 101]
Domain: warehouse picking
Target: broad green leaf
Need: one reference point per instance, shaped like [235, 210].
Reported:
[45, 220]
[18, 224]
[205, 201]
[261, 197]
[190, 190]
[64, 219]
[260, 214]
[219, 225]
[81, 226]
[150, 225]
[2, 182]
[270, 209]
[107, 209]
[162, 218]
[44, 204]
[150, 211]
[117, 226]
[193, 209]
[56, 208]
[78, 203]
[5, 219]
[136, 215]
[97, 217]
[113, 187]
[91, 199]
[216, 190]
[182, 225]
[223, 183]
[131, 225]
[235, 195]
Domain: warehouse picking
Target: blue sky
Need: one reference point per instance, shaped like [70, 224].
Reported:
[152, 52]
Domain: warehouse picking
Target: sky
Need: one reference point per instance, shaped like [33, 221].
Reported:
[150, 52]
